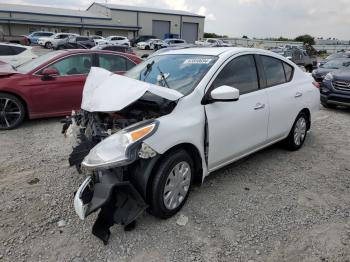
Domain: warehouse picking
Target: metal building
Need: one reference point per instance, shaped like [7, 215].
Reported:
[100, 19]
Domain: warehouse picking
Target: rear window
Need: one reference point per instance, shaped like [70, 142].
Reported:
[5, 50]
[17, 49]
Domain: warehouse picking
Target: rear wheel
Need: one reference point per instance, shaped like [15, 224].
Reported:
[171, 184]
[12, 112]
[297, 135]
[309, 68]
[147, 47]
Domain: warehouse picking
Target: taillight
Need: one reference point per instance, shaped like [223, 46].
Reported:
[316, 84]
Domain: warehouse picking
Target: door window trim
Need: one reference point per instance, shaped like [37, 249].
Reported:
[60, 59]
[210, 87]
[259, 57]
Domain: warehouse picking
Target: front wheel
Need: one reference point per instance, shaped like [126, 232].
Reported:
[12, 112]
[171, 184]
[297, 135]
[48, 45]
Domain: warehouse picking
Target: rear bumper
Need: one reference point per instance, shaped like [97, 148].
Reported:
[118, 200]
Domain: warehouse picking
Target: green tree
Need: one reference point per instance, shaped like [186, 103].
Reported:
[213, 35]
[306, 39]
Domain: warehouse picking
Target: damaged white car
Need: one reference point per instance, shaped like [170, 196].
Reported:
[145, 138]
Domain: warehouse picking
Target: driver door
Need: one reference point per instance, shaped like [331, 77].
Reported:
[59, 95]
[236, 128]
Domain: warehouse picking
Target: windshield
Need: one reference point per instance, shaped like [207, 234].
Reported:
[337, 64]
[179, 72]
[32, 64]
[333, 56]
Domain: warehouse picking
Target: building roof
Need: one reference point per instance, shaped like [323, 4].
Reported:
[50, 11]
[148, 10]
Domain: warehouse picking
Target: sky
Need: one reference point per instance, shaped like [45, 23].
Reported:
[254, 18]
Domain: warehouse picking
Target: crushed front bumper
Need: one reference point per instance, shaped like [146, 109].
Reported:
[119, 201]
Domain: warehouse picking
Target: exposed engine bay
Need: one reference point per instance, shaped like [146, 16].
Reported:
[92, 128]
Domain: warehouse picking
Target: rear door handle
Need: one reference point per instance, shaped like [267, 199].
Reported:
[259, 106]
[298, 94]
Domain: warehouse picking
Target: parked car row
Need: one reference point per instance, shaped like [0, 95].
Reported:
[56, 40]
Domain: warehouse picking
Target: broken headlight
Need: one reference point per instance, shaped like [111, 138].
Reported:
[120, 148]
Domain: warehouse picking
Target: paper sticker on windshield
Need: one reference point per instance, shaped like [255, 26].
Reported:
[197, 61]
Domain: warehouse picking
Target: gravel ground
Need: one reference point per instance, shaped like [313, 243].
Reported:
[275, 205]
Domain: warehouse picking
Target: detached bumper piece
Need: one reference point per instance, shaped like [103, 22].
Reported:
[119, 201]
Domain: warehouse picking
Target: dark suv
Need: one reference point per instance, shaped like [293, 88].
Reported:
[77, 42]
[142, 38]
[335, 89]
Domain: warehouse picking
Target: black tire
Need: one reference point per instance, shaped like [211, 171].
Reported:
[48, 45]
[163, 173]
[147, 47]
[291, 142]
[309, 68]
[326, 105]
[12, 111]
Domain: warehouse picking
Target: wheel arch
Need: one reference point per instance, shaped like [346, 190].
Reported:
[20, 98]
[307, 112]
[192, 150]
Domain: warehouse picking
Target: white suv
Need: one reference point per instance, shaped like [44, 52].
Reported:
[116, 40]
[54, 40]
[175, 118]
[15, 54]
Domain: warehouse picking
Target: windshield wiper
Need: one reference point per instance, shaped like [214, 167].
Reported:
[163, 77]
[147, 71]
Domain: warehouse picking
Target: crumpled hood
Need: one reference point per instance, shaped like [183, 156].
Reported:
[105, 91]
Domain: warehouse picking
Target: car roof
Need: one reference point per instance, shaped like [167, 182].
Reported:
[215, 51]
[18, 45]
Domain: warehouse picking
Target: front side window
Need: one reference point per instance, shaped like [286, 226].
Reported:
[179, 72]
[274, 71]
[112, 63]
[73, 65]
[33, 64]
[239, 73]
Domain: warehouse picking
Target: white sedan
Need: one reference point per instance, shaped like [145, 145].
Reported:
[149, 44]
[179, 116]
[15, 54]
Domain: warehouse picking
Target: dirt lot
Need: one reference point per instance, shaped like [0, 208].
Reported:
[273, 206]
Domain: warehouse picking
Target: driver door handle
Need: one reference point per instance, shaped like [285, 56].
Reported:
[298, 94]
[259, 106]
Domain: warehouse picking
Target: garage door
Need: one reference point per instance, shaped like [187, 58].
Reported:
[160, 28]
[190, 32]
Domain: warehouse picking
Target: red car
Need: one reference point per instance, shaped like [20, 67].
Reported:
[52, 84]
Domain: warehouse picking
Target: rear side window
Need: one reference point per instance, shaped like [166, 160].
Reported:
[82, 39]
[112, 63]
[288, 70]
[5, 50]
[129, 64]
[239, 73]
[274, 71]
[17, 49]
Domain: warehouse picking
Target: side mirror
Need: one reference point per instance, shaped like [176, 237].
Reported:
[224, 94]
[49, 73]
